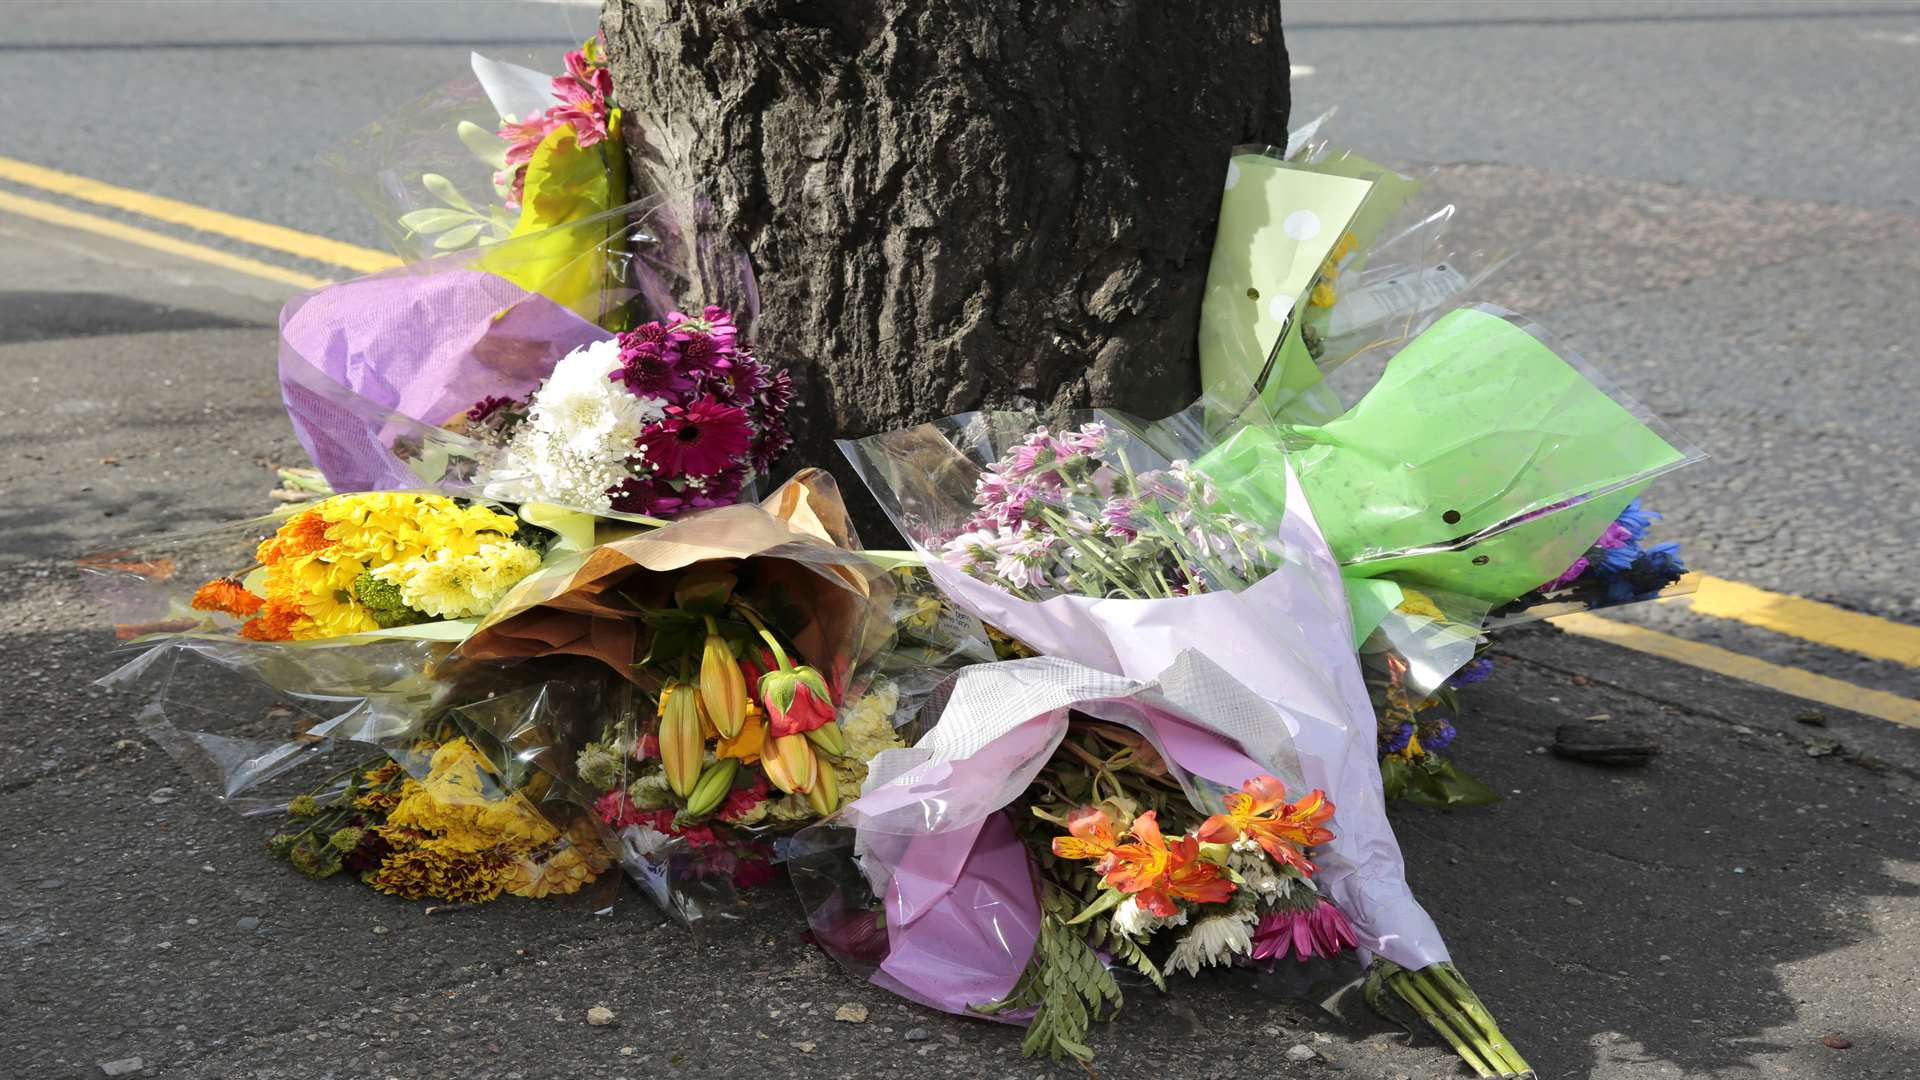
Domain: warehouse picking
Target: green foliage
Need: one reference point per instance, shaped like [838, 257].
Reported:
[1432, 780]
[382, 601]
[1064, 982]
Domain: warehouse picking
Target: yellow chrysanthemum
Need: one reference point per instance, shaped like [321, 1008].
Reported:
[457, 586]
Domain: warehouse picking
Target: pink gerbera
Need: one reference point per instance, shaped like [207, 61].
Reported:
[1320, 930]
[701, 439]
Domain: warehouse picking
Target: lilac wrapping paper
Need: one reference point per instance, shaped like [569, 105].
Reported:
[370, 368]
[1228, 685]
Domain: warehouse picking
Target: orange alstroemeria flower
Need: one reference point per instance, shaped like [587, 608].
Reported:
[1155, 873]
[1092, 837]
[1260, 809]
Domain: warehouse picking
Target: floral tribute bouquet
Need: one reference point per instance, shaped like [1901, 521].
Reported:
[355, 564]
[495, 374]
[506, 153]
[672, 415]
[1056, 824]
[1137, 549]
[745, 642]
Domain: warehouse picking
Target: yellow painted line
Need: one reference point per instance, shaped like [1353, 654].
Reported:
[174, 212]
[1802, 684]
[1810, 620]
[53, 214]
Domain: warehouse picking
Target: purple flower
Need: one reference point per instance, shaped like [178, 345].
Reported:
[1476, 671]
[1398, 740]
[487, 406]
[1573, 572]
[1438, 734]
[1119, 516]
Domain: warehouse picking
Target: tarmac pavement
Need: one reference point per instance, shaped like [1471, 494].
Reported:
[1719, 913]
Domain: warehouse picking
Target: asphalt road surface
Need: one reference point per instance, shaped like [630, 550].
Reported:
[1713, 202]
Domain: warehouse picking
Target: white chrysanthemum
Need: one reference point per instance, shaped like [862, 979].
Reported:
[580, 430]
[1132, 920]
[1213, 941]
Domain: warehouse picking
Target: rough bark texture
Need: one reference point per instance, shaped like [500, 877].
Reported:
[957, 204]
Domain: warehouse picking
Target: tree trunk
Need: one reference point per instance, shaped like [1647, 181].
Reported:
[958, 204]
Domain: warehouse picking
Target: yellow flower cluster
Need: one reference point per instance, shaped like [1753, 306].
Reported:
[1323, 294]
[460, 836]
[447, 585]
[434, 557]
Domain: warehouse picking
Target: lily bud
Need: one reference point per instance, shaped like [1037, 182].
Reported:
[796, 701]
[681, 747]
[790, 764]
[824, 796]
[829, 738]
[723, 689]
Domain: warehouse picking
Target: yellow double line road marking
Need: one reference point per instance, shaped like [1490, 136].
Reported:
[1821, 624]
[54, 214]
[200, 218]
[1787, 680]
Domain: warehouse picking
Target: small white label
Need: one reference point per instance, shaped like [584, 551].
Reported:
[1395, 298]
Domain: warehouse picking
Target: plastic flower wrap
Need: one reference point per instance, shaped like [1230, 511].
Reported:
[1056, 823]
[1252, 587]
[1322, 255]
[506, 152]
[507, 374]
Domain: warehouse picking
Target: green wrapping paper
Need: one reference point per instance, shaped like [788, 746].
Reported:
[1482, 463]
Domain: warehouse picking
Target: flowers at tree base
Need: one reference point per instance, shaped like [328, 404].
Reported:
[1067, 513]
[370, 561]
[584, 96]
[674, 415]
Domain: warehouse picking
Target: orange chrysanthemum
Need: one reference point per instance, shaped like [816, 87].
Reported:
[275, 621]
[1156, 872]
[1283, 830]
[303, 534]
[226, 595]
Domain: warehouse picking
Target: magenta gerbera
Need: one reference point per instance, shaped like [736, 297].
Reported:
[700, 439]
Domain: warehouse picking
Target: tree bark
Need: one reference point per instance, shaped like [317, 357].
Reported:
[958, 204]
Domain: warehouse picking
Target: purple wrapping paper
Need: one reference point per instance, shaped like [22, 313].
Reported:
[370, 369]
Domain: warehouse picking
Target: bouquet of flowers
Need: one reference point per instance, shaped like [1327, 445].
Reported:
[493, 375]
[506, 153]
[355, 564]
[672, 415]
[1057, 823]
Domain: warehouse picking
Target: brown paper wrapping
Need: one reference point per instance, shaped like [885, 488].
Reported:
[796, 545]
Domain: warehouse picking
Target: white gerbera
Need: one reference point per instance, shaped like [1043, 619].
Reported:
[1213, 941]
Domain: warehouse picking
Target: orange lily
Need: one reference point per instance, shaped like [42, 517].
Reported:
[1260, 809]
[1155, 873]
[1092, 837]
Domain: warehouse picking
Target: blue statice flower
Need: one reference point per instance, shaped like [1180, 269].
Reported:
[1438, 735]
[1398, 741]
[1476, 671]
